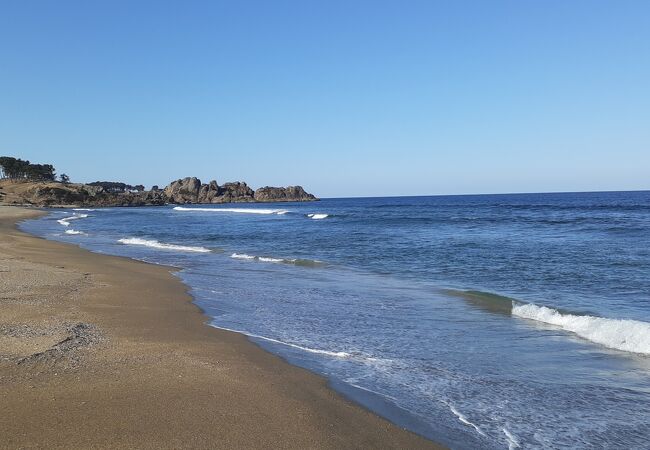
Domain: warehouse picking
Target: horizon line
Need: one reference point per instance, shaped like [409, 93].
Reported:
[488, 193]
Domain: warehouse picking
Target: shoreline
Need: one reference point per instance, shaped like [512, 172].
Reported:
[105, 351]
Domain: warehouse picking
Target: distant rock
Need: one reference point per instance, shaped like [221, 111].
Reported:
[190, 190]
[208, 192]
[183, 191]
[235, 192]
[280, 194]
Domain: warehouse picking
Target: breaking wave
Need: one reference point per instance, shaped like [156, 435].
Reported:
[71, 231]
[620, 334]
[160, 245]
[318, 216]
[235, 210]
[268, 259]
[83, 209]
[66, 220]
[242, 256]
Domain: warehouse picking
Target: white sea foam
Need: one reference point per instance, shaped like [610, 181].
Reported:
[318, 216]
[242, 256]
[268, 259]
[513, 442]
[265, 259]
[66, 220]
[300, 347]
[83, 209]
[155, 244]
[234, 210]
[261, 258]
[71, 231]
[626, 335]
[464, 419]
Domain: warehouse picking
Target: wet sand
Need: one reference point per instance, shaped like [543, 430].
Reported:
[105, 352]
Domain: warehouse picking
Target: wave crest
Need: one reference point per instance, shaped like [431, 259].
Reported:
[620, 334]
[242, 256]
[66, 220]
[268, 259]
[160, 245]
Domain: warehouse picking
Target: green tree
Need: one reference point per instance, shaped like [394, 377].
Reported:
[16, 168]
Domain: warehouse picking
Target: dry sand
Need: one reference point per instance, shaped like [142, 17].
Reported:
[105, 352]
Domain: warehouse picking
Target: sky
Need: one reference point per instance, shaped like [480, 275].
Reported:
[347, 98]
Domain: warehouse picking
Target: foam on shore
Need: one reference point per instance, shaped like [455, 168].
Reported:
[161, 245]
[71, 231]
[464, 419]
[288, 344]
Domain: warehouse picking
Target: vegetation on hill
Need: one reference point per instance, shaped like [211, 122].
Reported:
[116, 186]
[16, 168]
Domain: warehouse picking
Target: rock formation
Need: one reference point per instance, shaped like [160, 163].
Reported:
[280, 194]
[188, 190]
[235, 192]
[183, 191]
[72, 194]
[208, 192]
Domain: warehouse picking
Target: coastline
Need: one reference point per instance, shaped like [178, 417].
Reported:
[103, 351]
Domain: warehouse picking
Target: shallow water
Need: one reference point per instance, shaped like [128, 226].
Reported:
[490, 321]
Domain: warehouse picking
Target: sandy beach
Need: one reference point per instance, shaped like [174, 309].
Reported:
[105, 352]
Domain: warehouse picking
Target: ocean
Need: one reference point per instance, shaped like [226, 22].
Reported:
[478, 321]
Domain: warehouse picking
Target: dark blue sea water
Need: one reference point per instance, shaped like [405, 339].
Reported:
[487, 321]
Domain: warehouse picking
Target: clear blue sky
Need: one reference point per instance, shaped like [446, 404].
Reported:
[348, 98]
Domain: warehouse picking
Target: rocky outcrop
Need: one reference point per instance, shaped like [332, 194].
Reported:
[55, 195]
[182, 191]
[280, 194]
[191, 190]
[208, 192]
[60, 194]
[235, 192]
